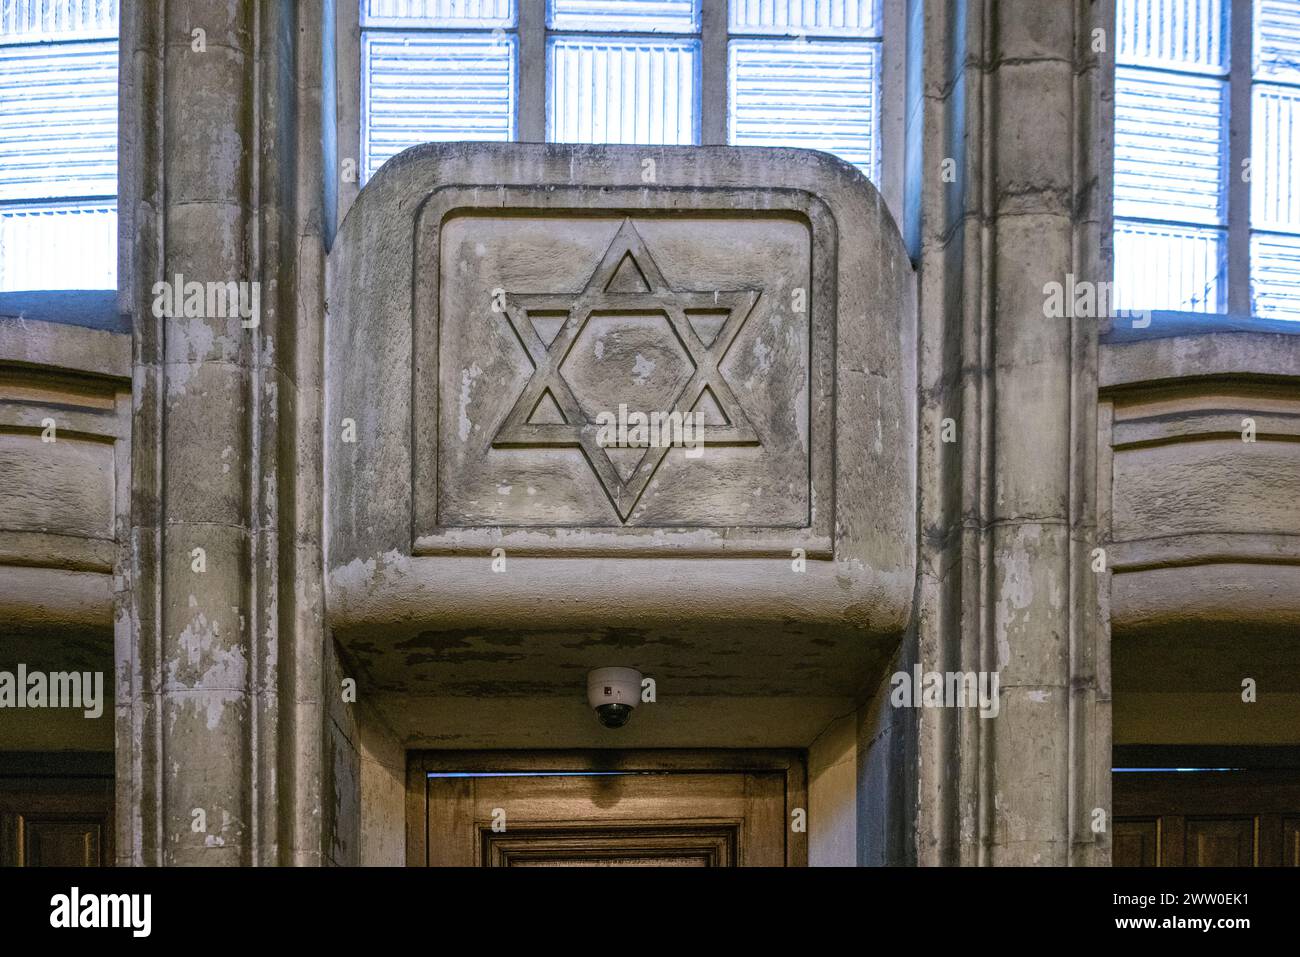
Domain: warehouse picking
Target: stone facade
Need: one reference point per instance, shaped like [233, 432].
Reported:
[908, 464]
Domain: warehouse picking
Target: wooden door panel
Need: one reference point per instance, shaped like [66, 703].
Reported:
[628, 845]
[1219, 843]
[679, 809]
[633, 797]
[1136, 843]
[62, 842]
[1291, 842]
[1207, 819]
[56, 823]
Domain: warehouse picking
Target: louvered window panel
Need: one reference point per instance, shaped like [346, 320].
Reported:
[437, 13]
[1275, 275]
[435, 87]
[58, 144]
[1171, 155]
[1275, 152]
[606, 90]
[1275, 181]
[849, 18]
[1185, 35]
[1277, 40]
[639, 16]
[1170, 150]
[806, 73]
[1169, 267]
[811, 94]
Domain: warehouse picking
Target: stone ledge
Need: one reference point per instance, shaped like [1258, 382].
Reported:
[87, 308]
[1199, 355]
[62, 345]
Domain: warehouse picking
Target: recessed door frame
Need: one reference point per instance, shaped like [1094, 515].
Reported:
[1256, 787]
[419, 819]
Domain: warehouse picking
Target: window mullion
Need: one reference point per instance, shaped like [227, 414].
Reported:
[1239, 147]
[532, 100]
[713, 57]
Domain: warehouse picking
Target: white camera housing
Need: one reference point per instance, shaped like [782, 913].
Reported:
[614, 692]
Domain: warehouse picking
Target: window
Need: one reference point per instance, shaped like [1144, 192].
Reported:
[1275, 148]
[1207, 125]
[746, 72]
[58, 144]
[434, 71]
[812, 80]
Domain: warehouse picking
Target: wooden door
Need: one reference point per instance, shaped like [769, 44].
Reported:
[1248, 818]
[56, 823]
[606, 809]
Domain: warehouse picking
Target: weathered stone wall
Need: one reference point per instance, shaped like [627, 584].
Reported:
[1016, 106]
[229, 682]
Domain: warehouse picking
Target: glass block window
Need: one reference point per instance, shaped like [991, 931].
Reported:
[806, 73]
[435, 70]
[623, 71]
[800, 73]
[1275, 151]
[638, 16]
[58, 144]
[1171, 135]
[1207, 201]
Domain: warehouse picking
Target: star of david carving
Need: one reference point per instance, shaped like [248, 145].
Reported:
[627, 256]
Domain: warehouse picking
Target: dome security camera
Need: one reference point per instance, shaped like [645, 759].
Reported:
[614, 692]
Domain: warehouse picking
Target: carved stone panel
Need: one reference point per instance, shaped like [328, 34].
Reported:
[612, 368]
[546, 322]
[702, 385]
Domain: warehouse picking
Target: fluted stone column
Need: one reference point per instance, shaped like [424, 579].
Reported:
[1008, 509]
[211, 136]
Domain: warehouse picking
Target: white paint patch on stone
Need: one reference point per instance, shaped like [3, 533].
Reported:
[642, 369]
[178, 379]
[1017, 593]
[467, 378]
[355, 574]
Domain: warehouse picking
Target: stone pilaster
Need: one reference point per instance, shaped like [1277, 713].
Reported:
[211, 136]
[1008, 507]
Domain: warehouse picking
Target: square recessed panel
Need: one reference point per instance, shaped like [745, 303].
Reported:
[547, 322]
